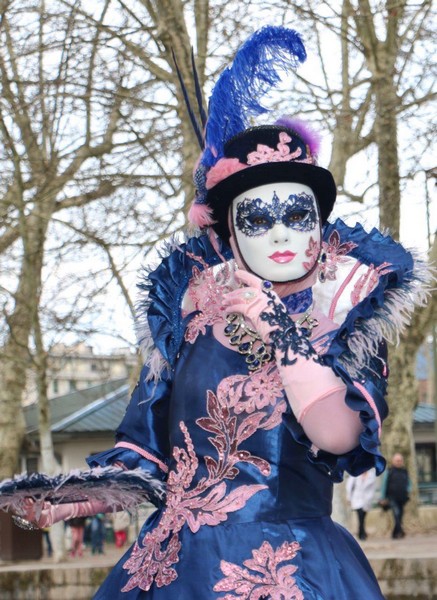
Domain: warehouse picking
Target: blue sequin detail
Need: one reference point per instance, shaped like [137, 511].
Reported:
[298, 302]
[255, 217]
[285, 336]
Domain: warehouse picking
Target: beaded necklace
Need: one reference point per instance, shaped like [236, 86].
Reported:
[249, 342]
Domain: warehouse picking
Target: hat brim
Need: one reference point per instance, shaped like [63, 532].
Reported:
[318, 179]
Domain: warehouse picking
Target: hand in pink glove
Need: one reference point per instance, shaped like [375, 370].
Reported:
[262, 306]
[252, 301]
[315, 394]
[46, 514]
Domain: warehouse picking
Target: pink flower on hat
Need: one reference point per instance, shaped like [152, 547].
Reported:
[265, 154]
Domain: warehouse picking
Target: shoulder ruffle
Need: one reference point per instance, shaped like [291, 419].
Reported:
[160, 326]
[372, 286]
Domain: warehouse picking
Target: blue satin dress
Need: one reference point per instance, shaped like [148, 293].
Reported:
[247, 512]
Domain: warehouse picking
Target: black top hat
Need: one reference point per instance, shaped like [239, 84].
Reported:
[263, 155]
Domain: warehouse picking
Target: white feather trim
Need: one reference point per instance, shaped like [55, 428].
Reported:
[391, 319]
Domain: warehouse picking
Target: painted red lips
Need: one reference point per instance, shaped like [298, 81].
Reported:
[283, 257]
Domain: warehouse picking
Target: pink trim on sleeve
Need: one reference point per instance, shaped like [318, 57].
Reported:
[371, 402]
[341, 290]
[143, 453]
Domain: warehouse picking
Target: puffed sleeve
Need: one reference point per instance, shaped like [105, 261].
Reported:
[142, 438]
[381, 285]
[366, 397]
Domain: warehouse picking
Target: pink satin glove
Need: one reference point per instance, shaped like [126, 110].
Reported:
[315, 394]
[269, 316]
[252, 302]
[47, 514]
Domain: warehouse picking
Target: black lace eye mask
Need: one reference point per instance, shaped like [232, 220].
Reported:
[254, 217]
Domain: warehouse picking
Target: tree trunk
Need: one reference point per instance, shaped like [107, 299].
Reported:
[15, 352]
[12, 375]
[340, 510]
[170, 21]
[49, 463]
[386, 102]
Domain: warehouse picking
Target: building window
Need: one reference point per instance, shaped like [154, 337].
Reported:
[93, 367]
[31, 464]
[426, 465]
[55, 386]
[72, 385]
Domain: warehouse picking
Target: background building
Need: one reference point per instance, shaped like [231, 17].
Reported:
[72, 368]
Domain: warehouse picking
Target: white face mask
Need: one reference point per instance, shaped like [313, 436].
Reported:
[277, 230]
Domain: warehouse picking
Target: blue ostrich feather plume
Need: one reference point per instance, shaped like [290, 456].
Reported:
[237, 95]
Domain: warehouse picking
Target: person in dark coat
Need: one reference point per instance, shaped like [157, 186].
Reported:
[396, 489]
[97, 533]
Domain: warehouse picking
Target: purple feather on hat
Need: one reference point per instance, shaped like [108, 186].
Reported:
[303, 130]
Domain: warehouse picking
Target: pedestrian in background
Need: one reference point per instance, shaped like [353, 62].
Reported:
[360, 492]
[396, 489]
[46, 536]
[120, 523]
[77, 526]
[97, 533]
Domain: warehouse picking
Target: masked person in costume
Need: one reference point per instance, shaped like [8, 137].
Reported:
[266, 367]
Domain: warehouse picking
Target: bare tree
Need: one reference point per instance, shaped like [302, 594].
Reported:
[69, 104]
[390, 41]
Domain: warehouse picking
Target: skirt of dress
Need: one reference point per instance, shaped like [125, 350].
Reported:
[300, 559]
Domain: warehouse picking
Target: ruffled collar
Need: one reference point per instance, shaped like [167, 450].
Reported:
[371, 286]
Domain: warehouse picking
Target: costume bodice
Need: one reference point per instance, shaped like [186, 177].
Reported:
[228, 433]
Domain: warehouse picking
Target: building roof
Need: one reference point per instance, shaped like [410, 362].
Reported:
[105, 414]
[92, 409]
[102, 407]
[424, 413]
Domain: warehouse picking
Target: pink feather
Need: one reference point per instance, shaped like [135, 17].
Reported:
[200, 215]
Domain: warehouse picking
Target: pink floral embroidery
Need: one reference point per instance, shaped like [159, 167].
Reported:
[263, 578]
[313, 253]
[335, 253]
[265, 154]
[206, 291]
[208, 502]
[247, 395]
[368, 281]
